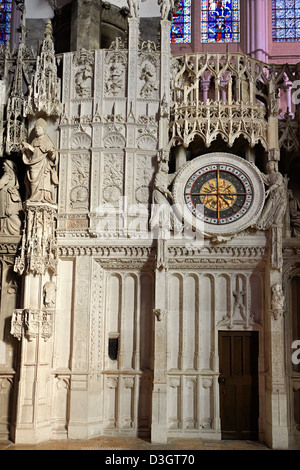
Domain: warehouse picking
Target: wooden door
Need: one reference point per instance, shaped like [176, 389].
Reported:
[238, 352]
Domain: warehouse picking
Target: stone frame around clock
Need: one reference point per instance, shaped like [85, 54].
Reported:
[249, 169]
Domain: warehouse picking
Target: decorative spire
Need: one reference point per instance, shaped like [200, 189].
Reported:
[44, 91]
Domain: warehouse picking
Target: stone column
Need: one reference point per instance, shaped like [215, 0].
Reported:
[86, 25]
[258, 40]
[33, 324]
[276, 413]
[159, 396]
[78, 427]
[180, 155]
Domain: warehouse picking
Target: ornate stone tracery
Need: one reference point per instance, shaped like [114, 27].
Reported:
[87, 281]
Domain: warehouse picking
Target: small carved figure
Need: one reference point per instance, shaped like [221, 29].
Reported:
[10, 201]
[148, 74]
[134, 8]
[115, 80]
[83, 81]
[294, 208]
[49, 292]
[275, 206]
[167, 7]
[41, 159]
[277, 301]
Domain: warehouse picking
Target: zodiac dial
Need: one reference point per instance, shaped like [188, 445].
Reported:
[218, 194]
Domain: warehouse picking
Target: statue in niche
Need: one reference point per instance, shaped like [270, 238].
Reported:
[83, 81]
[276, 198]
[41, 159]
[49, 292]
[10, 201]
[277, 301]
[167, 7]
[148, 74]
[294, 208]
[115, 80]
[162, 217]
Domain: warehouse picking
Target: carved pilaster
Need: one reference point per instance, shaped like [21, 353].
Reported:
[38, 248]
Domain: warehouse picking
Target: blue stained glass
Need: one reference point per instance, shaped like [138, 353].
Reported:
[181, 23]
[5, 20]
[285, 17]
[220, 21]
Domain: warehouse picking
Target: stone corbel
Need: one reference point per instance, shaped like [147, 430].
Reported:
[277, 313]
[32, 323]
[17, 324]
[159, 313]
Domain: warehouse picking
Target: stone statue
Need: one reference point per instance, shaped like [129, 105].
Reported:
[294, 208]
[10, 201]
[161, 216]
[276, 198]
[41, 159]
[167, 7]
[49, 292]
[134, 8]
[277, 301]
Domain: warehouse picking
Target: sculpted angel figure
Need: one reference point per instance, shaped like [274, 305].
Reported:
[41, 159]
[10, 201]
[276, 198]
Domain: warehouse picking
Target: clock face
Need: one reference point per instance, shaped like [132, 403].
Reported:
[218, 194]
[222, 192]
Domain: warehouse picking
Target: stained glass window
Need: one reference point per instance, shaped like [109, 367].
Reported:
[220, 21]
[5, 20]
[181, 22]
[286, 20]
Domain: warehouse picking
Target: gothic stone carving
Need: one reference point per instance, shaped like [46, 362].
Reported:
[41, 159]
[33, 323]
[39, 247]
[84, 63]
[10, 201]
[44, 91]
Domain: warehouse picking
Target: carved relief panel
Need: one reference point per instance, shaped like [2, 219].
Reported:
[113, 177]
[115, 73]
[148, 75]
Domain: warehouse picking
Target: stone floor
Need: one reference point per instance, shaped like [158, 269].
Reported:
[132, 444]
